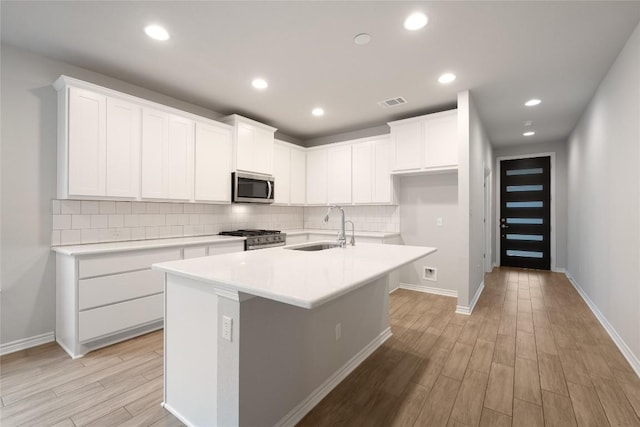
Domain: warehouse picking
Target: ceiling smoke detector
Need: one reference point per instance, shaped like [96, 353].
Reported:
[392, 102]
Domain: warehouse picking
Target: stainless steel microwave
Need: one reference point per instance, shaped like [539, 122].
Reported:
[252, 188]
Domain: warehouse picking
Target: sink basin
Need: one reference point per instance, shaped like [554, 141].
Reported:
[314, 247]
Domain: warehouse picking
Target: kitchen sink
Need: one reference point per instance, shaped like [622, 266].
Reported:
[314, 247]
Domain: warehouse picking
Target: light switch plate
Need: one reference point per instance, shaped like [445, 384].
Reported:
[227, 328]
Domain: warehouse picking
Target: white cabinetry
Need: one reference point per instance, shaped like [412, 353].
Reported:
[298, 178]
[317, 176]
[109, 297]
[98, 144]
[167, 155]
[339, 174]
[426, 143]
[123, 148]
[289, 170]
[213, 152]
[372, 179]
[253, 145]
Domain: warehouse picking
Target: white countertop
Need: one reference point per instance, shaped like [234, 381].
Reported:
[376, 234]
[133, 245]
[301, 278]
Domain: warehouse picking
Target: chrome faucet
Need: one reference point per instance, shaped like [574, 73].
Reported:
[342, 239]
[353, 233]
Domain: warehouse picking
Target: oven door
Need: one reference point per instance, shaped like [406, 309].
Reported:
[252, 188]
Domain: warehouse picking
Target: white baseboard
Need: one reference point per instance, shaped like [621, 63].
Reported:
[428, 290]
[25, 343]
[297, 413]
[559, 270]
[462, 309]
[617, 339]
[176, 414]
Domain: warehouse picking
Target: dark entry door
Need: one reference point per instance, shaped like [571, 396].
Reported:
[525, 213]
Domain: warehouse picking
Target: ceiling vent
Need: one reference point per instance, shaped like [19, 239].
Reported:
[392, 102]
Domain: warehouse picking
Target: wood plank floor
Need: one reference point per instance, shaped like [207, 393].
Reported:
[531, 354]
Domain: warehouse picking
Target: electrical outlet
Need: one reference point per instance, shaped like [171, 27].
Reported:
[430, 273]
[439, 221]
[227, 328]
[338, 331]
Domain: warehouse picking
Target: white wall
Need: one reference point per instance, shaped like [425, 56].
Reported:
[424, 199]
[560, 198]
[604, 198]
[475, 154]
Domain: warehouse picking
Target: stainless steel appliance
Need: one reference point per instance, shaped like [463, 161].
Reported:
[259, 239]
[252, 188]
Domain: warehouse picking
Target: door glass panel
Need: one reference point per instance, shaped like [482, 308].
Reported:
[526, 254]
[528, 237]
[514, 188]
[535, 221]
[532, 171]
[524, 204]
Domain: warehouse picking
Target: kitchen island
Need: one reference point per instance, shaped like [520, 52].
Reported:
[258, 338]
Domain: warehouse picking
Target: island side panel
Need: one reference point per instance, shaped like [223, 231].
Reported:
[191, 350]
[288, 352]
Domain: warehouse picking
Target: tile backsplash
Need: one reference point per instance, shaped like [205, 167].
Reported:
[365, 218]
[77, 222]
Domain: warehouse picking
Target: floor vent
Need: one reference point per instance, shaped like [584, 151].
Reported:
[392, 102]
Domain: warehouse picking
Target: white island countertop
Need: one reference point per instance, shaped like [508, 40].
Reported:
[305, 279]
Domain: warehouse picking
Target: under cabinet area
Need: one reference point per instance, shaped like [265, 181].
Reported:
[425, 143]
[104, 295]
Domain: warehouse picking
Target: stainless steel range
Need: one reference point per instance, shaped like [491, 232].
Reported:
[259, 239]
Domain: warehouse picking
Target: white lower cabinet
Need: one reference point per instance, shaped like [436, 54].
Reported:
[106, 298]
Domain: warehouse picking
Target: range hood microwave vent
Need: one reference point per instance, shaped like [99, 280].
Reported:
[392, 102]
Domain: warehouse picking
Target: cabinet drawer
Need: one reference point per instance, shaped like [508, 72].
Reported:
[226, 248]
[118, 263]
[195, 252]
[118, 287]
[116, 317]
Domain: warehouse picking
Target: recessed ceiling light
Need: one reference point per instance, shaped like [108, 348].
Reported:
[362, 39]
[318, 112]
[446, 78]
[260, 83]
[532, 102]
[529, 133]
[157, 32]
[415, 21]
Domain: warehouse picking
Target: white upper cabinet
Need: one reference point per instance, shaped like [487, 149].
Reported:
[425, 143]
[87, 143]
[213, 153]
[253, 145]
[339, 174]
[167, 156]
[123, 148]
[282, 173]
[298, 178]
[317, 176]
[289, 170]
[372, 180]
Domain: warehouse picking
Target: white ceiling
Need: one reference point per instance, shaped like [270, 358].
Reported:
[504, 52]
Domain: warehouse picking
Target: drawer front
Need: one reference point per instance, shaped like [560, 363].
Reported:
[118, 287]
[117, 317]
[195, 252]
[226, 248]
[127, 261]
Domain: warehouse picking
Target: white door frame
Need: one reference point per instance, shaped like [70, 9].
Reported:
[553, 202]
[488, 255]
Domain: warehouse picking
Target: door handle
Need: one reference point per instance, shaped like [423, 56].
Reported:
[504, 226]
